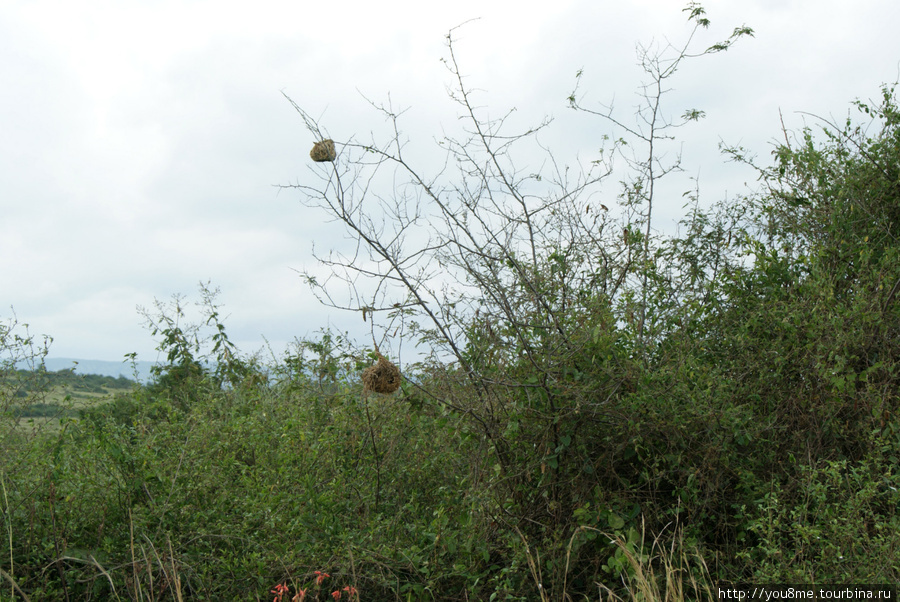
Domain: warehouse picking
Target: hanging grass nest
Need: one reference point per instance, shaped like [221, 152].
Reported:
[383, 377]
[323, 151]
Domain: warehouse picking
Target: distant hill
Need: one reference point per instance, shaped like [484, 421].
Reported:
[103, 368]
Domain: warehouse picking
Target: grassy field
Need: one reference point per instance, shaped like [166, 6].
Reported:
[41, 401]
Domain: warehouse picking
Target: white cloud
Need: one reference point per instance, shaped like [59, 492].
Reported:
[142, 141]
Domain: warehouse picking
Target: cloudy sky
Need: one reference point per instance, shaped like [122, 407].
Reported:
[141, 142]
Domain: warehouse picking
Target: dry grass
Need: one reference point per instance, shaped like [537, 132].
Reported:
[669, 573]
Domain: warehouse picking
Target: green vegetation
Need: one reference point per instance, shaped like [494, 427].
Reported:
[601, 410]
[79, 384]
[47, 397]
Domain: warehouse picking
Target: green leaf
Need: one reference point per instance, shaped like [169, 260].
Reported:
[615, 521]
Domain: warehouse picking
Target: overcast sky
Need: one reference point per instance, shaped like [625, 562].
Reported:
[141, 142]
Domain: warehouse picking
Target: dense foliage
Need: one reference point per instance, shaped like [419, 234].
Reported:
[731, 391]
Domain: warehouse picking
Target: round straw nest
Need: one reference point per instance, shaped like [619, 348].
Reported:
[383, 377]
[323, 151]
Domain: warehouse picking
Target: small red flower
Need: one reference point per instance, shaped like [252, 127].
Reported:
[301, 594]
[280, 590]
[320, 577]
[336, 594]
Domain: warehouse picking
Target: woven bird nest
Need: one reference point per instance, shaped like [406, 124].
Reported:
[383, 377]
[323, 151]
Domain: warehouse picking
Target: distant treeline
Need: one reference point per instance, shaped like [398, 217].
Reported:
[40, 380]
